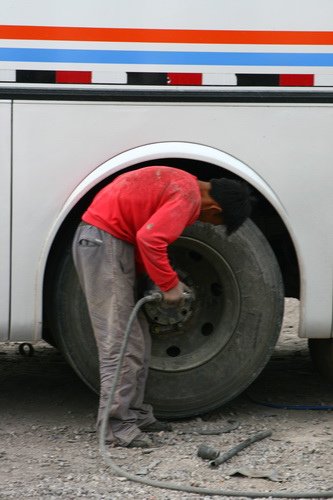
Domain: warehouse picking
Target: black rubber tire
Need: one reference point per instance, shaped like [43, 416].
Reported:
[321, 352]
[245, 318]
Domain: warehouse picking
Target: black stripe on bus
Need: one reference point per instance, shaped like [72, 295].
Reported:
[26, 76]
[147, 78]
[144, 95]
[248, 80]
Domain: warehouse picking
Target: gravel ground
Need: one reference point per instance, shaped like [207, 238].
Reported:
[49, 450]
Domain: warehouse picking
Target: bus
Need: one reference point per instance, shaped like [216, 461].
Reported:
[243, 90]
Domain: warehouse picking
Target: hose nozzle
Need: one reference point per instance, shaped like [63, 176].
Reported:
[154, 296]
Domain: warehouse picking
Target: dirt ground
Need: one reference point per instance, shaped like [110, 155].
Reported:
[49, 449]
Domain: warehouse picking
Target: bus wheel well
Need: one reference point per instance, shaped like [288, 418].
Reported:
[264, 216]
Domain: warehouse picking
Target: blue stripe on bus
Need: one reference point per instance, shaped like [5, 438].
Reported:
[165, 57]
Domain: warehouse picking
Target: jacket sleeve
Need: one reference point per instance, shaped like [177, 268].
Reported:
[153, 238]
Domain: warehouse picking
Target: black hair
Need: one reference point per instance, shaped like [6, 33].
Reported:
[234, 197]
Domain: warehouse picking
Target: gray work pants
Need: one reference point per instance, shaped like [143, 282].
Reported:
[106, 270]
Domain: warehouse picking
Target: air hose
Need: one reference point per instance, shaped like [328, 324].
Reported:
[157, 296]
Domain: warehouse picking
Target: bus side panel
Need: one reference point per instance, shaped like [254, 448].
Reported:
[212, 37]
[56, 145]
[5, 194]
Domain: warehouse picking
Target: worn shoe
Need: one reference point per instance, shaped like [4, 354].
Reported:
[157, 426]
[141, 442]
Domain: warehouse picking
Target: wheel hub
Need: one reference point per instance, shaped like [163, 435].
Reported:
[166, 318]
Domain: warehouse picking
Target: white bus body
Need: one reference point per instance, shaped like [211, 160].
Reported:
[88, 89]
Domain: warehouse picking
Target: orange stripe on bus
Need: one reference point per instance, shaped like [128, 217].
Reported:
[81, 34]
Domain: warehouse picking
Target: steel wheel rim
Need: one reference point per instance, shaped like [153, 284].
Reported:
[216, 308]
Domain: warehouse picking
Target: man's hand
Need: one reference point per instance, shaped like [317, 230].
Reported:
[175, 295]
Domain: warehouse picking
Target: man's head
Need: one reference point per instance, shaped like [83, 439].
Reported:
[225, 201]
[234, 198]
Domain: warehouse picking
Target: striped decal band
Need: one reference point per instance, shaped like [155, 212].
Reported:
[84, 34]
[165, 79]
[165, 57]
[77, 61]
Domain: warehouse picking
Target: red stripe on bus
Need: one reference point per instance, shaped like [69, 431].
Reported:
[84, 34]
[184, 78]
[73, 76]
[296, 80]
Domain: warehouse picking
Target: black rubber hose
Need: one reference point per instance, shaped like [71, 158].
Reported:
[168, 485]
[236, 449]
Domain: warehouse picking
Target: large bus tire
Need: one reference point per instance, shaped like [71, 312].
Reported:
[213, 348]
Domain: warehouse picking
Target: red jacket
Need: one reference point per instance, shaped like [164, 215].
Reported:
[149, 208]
